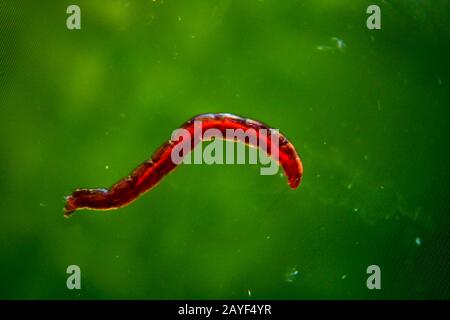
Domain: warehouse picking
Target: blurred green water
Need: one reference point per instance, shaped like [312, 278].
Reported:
[83, 108]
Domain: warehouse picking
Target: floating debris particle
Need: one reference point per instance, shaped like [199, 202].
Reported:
[340, 44]
[337, 45]
[378, 105]
[292, 274]
[418, 241]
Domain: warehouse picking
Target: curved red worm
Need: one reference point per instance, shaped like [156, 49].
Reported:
[150, 172]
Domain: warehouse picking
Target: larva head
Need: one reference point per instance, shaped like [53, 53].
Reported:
[85, 198]
[70, 206]
[296, 178]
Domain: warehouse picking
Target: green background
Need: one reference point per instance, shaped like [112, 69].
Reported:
[370, 120]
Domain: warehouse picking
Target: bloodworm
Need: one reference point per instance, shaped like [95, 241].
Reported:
[151, 172]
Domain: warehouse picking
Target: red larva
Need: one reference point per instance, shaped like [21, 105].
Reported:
[152, 171]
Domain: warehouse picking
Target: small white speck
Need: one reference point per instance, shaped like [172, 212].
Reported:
[107, 167]
[344, 276]
[292, 274]
[355, 209]
[340, 45]
[418, 241]
[249, 293]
